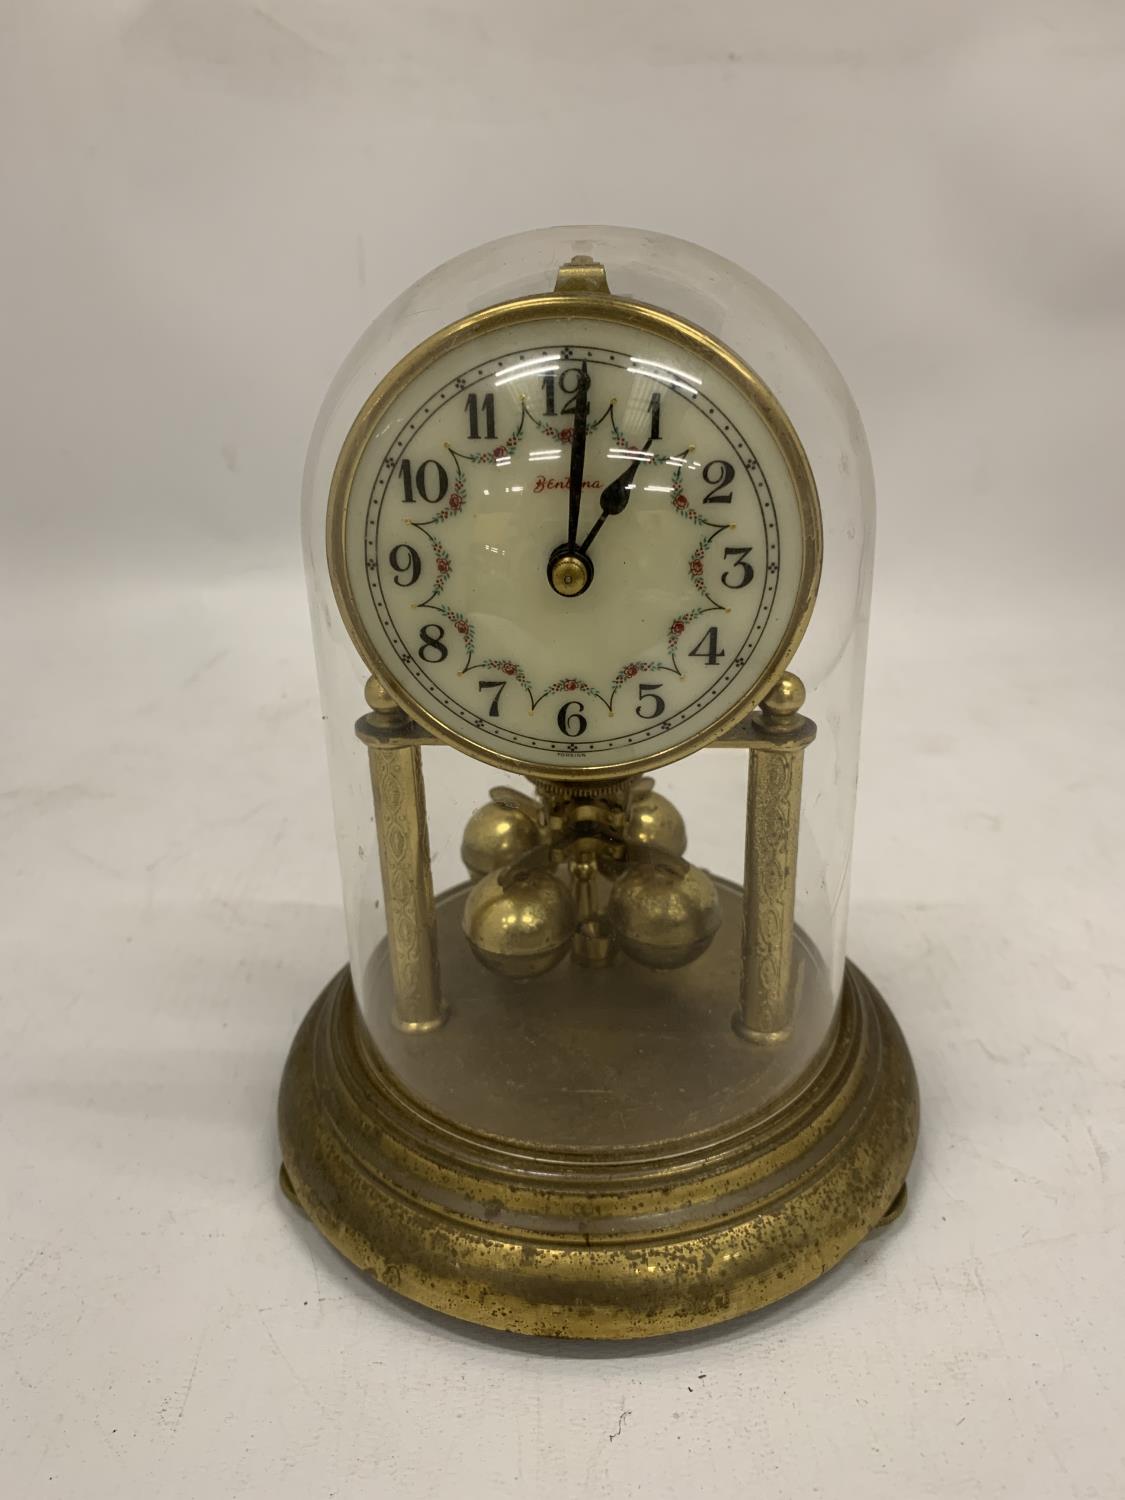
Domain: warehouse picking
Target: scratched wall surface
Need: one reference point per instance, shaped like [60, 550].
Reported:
[205, 202]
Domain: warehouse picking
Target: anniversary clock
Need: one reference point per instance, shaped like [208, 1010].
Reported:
[586, 505]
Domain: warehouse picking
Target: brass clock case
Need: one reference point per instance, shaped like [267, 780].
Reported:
[599, 1090]
[619, 312]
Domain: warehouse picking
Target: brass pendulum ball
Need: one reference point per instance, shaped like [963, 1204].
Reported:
[519, 923]
[498, 834]
[653, 821]
[664, 916]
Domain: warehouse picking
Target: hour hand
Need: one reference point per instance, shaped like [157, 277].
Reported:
[616, 495]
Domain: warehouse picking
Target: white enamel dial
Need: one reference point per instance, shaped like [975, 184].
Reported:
[513, 611]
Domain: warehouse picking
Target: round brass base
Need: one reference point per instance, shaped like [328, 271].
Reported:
[596, 1244]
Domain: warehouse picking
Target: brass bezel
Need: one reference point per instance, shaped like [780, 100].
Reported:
[607, 308]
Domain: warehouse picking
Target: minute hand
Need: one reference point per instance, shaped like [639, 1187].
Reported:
[616, 496]
[578, 453]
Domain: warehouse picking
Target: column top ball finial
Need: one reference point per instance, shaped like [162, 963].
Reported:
[377, 695]
[786, 697]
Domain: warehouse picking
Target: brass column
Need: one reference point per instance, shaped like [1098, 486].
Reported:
[779, 734]
[404, 860]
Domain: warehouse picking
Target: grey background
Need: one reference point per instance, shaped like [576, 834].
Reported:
[205, 203]
[208, 201]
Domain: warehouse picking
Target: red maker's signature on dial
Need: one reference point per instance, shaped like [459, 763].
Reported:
[543, 482]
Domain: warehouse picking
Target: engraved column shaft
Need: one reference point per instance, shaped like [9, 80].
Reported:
[399, 797]
[773, 814]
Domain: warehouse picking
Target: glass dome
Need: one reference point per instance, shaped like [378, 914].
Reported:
[609, 1048]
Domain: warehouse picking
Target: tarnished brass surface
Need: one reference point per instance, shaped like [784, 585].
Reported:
[574, 857]
[585, 1058]
[521, 927]
[582, 273]
[777, 744]
[654, 821]
[614, 1243]
[500, 832]
[663, 916]
[404, 860]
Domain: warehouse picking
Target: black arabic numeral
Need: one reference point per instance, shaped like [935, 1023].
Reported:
[708, 647]
[431, 476]
[745, 569]
[478, 408]
[499, 684]
[405, 561]
[719, 475]
[433, 648]
[649, 693]
[571, 720]
[570, 383]
[406, 474]
[430, 480]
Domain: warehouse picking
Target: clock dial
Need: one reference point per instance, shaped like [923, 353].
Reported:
[574, 539]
